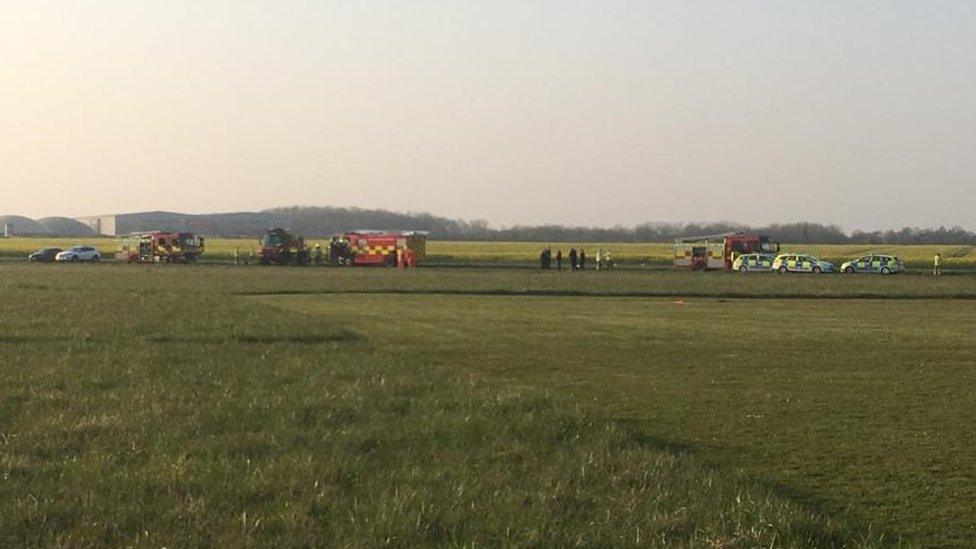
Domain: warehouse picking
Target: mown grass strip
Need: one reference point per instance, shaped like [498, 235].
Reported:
[611, 294]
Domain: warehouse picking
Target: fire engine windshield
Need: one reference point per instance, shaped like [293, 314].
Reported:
[766, 246]
[271, 240]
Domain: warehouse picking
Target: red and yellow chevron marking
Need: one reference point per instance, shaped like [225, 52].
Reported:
[376, 250]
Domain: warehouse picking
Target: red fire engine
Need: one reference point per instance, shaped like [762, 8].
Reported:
[715, 251]
[379, 248]
[159, 247]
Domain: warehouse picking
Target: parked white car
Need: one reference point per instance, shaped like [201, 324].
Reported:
[79, 253]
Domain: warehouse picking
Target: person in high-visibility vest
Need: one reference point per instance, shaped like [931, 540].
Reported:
[937, 265]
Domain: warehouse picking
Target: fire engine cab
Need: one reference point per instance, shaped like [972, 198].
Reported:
[715, 251]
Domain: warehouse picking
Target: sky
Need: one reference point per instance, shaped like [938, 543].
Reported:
[858, 113]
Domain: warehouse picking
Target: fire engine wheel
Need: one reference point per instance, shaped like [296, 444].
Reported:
[816, 270]
[390, 260]
[782, 270]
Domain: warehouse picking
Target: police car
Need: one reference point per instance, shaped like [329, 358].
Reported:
[875, 264]
[801, 263]
[753, 262]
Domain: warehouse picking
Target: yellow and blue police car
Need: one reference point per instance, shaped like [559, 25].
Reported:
[746, 263]
[874, 264]
[801, 263]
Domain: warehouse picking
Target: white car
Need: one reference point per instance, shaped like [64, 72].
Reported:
[79, 253]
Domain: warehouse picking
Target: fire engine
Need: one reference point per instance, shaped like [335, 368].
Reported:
[159, 247]
[715, 251]
[378, 248]
[280, 247]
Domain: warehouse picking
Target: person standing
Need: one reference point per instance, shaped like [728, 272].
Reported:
[572, 259]
[542, 260]
[599, 258]
[937, 265]
[559, 260]
[582, 259]
[237, 256]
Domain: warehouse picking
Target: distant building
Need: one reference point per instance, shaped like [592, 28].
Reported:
[101, 224]
[64, 226]
[244, 224]
[16, 225]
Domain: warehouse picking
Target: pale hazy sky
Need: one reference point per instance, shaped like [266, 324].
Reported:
[860, 113]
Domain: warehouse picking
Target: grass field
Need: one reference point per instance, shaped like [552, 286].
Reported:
[212, 405]
[526, 253]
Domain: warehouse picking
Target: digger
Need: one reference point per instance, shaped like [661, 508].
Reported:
[280, 247]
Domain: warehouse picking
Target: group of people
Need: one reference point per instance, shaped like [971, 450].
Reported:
[245, 257]
[339, 251]
[577, 259]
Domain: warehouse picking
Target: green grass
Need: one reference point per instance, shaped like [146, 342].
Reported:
[527, 253]
[211, 405]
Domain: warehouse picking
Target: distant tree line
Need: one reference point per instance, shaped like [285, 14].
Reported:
[325, 221]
